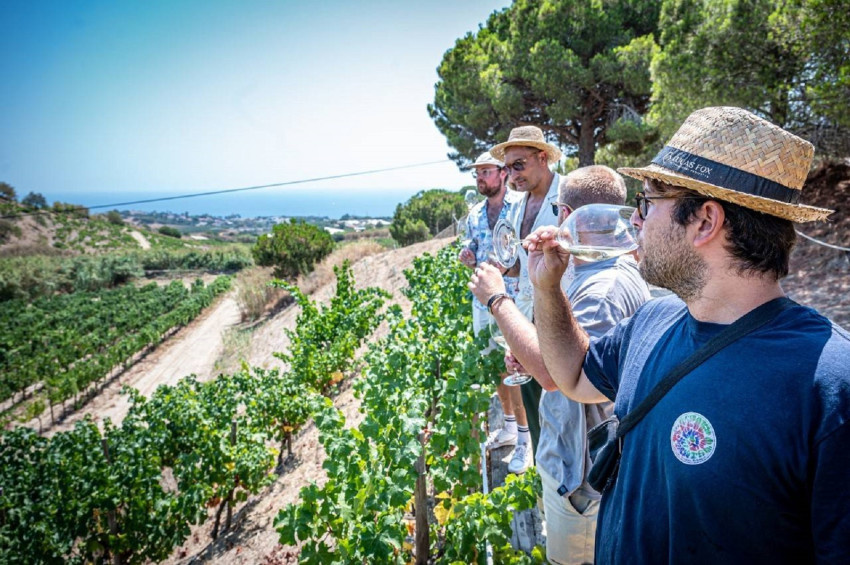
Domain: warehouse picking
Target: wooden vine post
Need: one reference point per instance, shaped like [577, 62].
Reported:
[110, 515]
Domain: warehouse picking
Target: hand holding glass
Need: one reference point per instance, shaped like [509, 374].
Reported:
[516, 378]
[593, 232]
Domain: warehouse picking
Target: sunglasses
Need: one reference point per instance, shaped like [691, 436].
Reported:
[556, 207]
[518, 165]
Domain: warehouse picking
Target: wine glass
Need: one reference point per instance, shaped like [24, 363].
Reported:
[596, 232]
[593, 232]
[470, 198]
[516, 378]
[506, 244]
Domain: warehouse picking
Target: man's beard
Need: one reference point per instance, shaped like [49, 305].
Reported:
[489, 190]
[670, 263]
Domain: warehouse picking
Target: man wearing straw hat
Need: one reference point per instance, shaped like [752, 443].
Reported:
[490, 181]
[527, 157]
[745, 457]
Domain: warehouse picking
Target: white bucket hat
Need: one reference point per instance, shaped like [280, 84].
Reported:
[485, 159]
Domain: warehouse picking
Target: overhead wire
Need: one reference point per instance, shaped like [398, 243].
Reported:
[72, 209]
[286, 183]
[839, 248]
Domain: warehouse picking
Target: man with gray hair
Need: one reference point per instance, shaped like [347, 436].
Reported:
[602, 294]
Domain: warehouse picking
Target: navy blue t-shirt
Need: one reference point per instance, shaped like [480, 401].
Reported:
[746, 459]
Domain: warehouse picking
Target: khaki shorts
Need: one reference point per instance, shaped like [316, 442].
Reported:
[570, 534]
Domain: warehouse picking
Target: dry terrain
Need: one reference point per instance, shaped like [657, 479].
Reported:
[820, 277]
[253, 538]
[196, 349]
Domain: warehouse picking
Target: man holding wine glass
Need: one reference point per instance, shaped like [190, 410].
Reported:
[490, 181]
[527, 157]
[602, 292]
[735, 400]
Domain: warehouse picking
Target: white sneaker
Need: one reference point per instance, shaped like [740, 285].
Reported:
[500, 438]
[521, 459]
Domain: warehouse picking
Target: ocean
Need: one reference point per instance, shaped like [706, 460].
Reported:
[331, 203]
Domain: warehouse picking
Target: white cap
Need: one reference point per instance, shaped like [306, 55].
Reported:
[487, 159]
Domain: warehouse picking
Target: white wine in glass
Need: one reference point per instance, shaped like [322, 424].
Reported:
[593, 232]
[470, 198]
[596, 232]
[516, 378]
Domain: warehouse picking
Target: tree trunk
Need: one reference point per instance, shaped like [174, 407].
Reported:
[586, 143]
[111, 517]
[422, 541]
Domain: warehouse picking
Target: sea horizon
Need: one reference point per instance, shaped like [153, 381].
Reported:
[329, 203]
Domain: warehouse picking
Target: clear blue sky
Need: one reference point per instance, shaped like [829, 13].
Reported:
[188, 96]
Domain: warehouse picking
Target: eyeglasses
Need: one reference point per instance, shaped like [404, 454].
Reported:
[556, 207]
[518, 165]
[484, 173]
[643, 203]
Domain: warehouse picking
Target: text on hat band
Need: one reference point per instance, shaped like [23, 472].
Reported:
[724, 176]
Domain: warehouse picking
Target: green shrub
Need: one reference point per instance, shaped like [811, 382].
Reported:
[170, 232]
[293, 248]
[8, 230]
[114, 217]
[408, 232]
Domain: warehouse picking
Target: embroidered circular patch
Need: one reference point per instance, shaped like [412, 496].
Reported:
[692, 438]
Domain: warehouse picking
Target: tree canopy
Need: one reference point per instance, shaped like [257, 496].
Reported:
[7, 192]
[620, 76]
[426, 214]
[572, 67]
[34, 200]
[788, 62]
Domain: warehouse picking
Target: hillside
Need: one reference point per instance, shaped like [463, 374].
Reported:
[820, 276]
[27, 232]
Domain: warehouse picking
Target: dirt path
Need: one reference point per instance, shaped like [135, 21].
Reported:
[253, 539]
[192, 349]
[384, 270]
[195, 349]
[143, 241]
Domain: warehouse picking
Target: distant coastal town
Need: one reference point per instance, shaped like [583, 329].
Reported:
[235, 227]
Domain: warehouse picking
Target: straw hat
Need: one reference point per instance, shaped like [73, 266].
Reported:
[486, 159]
[733, 155]
[527, 136]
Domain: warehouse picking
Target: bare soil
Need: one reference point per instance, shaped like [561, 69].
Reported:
[819, 277]
[143, 241]
[192, 350]
[252, 539]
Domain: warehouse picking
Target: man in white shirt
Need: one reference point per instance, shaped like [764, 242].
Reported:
[527, 157]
